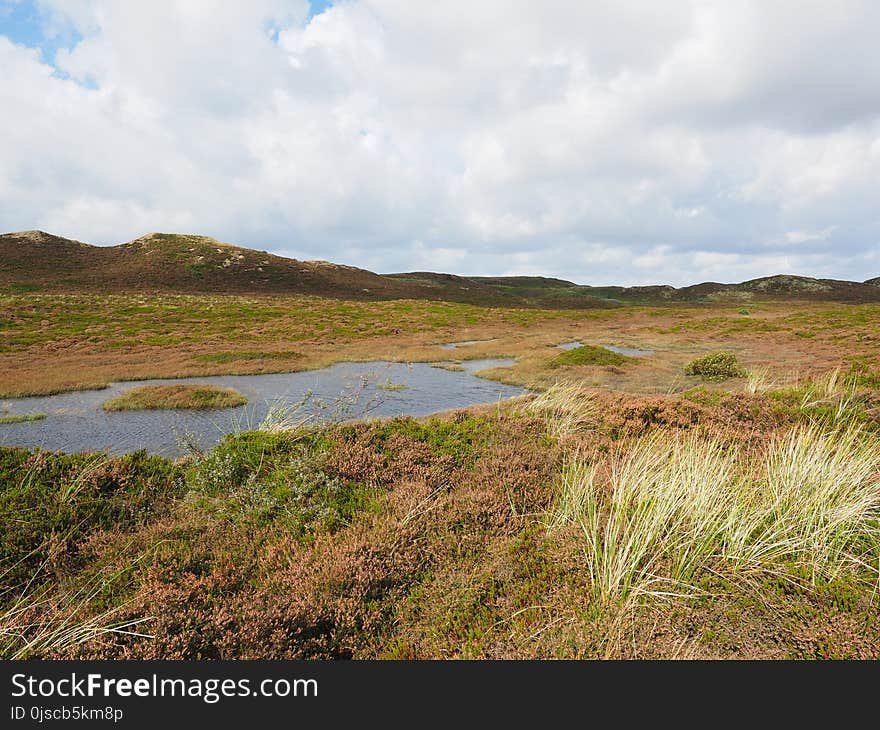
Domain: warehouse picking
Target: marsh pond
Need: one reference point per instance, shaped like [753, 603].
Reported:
[76, 421]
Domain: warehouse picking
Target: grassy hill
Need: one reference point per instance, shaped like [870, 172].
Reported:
[163, 262]
[39, 261]
[781, 287]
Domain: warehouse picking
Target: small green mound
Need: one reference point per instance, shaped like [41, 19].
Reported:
[589, 355]
[22, 419]
[716, 366]
[393, 386]
[180, 396]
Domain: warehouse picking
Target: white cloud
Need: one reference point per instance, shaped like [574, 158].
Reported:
[796, 237]
[605, 142]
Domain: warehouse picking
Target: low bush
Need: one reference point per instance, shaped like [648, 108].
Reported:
[716, 366]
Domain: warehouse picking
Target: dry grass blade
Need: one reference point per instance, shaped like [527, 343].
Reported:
[676, 507]
[36, 622]
[567, 408]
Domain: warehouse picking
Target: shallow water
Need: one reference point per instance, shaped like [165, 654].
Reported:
[464, 343]
[76, 421]
[631, 352]
[620, 350]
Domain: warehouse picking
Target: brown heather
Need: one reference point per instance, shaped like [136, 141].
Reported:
[450, 556]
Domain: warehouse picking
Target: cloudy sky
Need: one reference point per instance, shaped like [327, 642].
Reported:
[604, 142]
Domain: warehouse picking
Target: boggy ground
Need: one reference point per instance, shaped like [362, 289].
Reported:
[59, 342]
[548, 527]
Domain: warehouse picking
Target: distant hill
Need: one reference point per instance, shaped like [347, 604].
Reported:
[39, 261]
[160, 261]
[782, 286]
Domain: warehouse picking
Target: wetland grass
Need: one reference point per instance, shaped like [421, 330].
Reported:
[178, 396]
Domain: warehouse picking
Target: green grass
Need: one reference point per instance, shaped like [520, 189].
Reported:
[589, 355]
[459, 438]
[260, 478]
[22, 418]
[392, 386]
[247, 355]
[565, 407]
[24, 288]
[182, 396]
[33, 319]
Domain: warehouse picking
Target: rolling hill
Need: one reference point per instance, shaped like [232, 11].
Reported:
[39, 261]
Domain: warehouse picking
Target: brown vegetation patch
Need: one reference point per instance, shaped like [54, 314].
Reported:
[179, 396]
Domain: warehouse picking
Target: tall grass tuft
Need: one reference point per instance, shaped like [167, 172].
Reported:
[759, 380]
[832, 390]
[672, 508]
[567, 408]
[657, 520]
[817, 505]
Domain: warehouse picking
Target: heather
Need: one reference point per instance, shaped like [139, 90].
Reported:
[576, 523]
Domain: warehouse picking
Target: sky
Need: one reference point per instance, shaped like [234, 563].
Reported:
[604, 142]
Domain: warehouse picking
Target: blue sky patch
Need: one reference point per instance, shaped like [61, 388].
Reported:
[22, 22]
[316, 7]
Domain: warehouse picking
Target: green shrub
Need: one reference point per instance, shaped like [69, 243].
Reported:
[240, 456]
[263, 478]
[716, 366]
[589, 355]
[301, 494]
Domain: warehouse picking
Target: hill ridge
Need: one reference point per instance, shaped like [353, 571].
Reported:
[192, 263]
